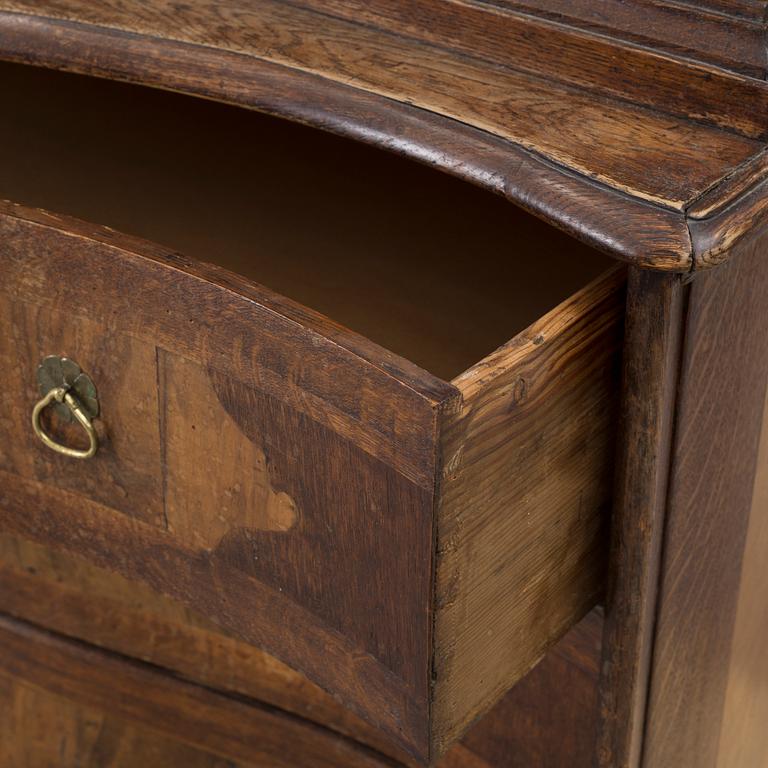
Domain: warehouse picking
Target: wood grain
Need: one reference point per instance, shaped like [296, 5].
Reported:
[356, 537]
[716, 237]
[729, 192]
[565, 55]
[549, 718]
[467, 519]
[128, 474]
[243, 508]
[504, 102]
[609, 142]
[252, 610]
[306, 536]
[652, 348]
[196, 716]
[72, 597]
[237, 492]
[743, 739]
[692, 30]
[173, 302]
[611, 222]
[39, 729]
[723, 388]
[747, 9]
[524, 487]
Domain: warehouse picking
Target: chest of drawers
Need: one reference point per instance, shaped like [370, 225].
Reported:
[353, 433]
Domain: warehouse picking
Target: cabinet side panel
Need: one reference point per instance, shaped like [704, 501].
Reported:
[717, 435]
[744, 738]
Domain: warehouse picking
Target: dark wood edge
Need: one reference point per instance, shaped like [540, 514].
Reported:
[430, 387]
[652, 354]
[714, 237]
[624, 227]
[731, 188]
[232, 727]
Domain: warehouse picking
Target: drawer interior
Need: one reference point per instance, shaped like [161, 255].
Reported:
[425, 265]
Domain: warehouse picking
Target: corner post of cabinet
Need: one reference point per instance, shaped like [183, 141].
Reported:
[652, 349]
[687, 604]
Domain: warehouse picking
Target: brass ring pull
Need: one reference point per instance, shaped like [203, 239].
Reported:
[72, 394]
[60, 395]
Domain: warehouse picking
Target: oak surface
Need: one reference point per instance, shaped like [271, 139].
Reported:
[196, 716]
[651, 133]
[67, 594]
[128, 477]
[39, 729]
[344, 532]
[649, 145]
[550, 717]
[743, 738]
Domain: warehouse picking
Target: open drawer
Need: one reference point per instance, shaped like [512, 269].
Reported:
[398, 511]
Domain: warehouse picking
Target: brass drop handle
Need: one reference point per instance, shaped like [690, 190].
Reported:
[73, 395]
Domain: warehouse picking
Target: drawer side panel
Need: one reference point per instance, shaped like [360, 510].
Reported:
[526, 482]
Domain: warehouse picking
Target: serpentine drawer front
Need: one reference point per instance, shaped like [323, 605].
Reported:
[412, 543]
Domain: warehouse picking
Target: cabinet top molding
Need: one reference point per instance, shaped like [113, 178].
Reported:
[639, 127]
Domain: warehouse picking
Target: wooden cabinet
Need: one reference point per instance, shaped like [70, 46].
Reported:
[358, 421]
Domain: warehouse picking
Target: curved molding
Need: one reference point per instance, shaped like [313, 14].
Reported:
[587, 202]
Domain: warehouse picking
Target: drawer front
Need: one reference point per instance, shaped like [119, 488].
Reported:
[256, 462]
[67, 705]
[413, 547]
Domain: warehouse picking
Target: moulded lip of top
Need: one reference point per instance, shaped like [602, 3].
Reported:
[665, 170]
